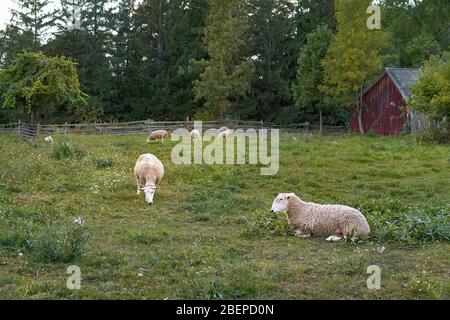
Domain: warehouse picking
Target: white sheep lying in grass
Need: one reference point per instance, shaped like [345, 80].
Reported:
[149, 172]
[310, 219]
[195, 134]
[49, 140]
[158, 135]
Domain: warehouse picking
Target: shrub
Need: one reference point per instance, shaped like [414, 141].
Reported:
[269, 223]
[13, 239]
[66, 150]
[102, 163]
[434, 136]
[147, 237]
[392, 221]
[54, 242]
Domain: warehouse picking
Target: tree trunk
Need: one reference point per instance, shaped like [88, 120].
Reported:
[320, 120]
[321, 114]
[359, 108]
[33, 116]
[159, 45]
[360, 125]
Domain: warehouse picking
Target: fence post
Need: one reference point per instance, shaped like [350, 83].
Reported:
[38, 128]
[19, 126]
[66, 128]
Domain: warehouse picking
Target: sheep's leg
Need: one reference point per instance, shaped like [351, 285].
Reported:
[299, 233]
[334, 238]
[138, 183]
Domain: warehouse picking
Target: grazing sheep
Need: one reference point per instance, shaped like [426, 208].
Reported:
[222, 130]
[49, 140]
[307, 136]
[149, 172]
[226, 134]
[158, 134]
[195, 134]
[310, 219]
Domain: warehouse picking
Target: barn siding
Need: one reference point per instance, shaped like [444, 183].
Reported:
[384, 112]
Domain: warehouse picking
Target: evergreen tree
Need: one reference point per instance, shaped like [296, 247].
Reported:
[309, 89]
[227, 73]
[419, 29]
[33, 18]
[87, 45]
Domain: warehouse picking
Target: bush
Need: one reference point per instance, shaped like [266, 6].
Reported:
[392, 221]
[434, 136]
[269, 223]
[102, 163]
[58, 243]
[66, 150]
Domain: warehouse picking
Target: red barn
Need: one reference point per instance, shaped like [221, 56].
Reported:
[385, 102]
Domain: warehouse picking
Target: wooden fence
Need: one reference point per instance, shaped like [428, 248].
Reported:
[9, 128]
[30, 132]
[421, 123]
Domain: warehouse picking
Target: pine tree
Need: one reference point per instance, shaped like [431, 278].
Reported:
[86, 42]
[227, 73]
[34, 19]
[309, 89]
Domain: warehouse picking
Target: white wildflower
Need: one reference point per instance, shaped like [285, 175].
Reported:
[381, 249]
[79, 221]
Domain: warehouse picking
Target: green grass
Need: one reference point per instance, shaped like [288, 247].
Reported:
[207, 235]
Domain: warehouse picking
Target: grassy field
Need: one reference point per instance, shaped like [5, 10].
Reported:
[209, 234]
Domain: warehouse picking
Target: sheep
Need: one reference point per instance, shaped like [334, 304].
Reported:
[310, 219]
[195, 134]
[307, 136]
[49, 140]
[148, 172]
[222, 130]
[226, 134]
[158, 134]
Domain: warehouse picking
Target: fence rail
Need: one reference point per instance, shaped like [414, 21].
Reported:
[9, 128]
[30, 131]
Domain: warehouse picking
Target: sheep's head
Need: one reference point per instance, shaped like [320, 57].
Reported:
[281, 202]
[149, 194]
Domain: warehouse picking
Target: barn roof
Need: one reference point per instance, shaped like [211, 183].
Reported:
[403, 78]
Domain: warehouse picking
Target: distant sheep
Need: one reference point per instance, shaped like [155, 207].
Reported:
[222, 130]
[148, 172]
[226, 134]
[158, 135]
[307, 136]
[310, 219]
[195, 134]
[49, 140]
